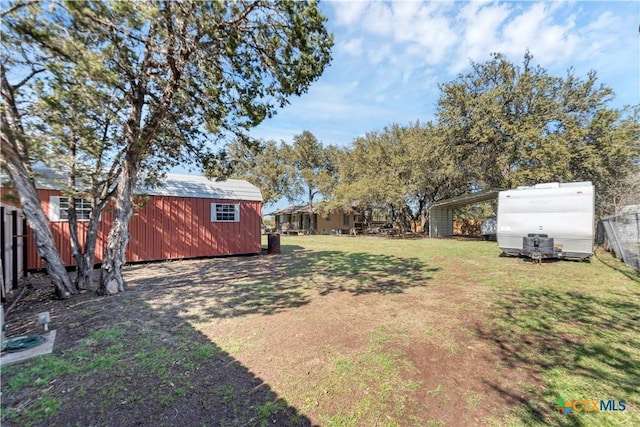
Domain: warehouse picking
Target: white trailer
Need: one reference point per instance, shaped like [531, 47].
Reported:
[550, 220]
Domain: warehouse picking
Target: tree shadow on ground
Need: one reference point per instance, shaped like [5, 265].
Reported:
[232, 287]
[592, 339]
[165, 372]
[118, 361]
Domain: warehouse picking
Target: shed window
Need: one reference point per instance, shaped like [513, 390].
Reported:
[225, 212]
[345, 219]
[59, 209]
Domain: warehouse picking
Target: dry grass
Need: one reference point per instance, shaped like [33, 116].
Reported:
[351, 331]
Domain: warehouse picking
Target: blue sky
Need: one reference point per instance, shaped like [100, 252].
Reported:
[389, 57]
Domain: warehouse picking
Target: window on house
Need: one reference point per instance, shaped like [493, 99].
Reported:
[379, 215]
[345, 219]
[221, 212]
[59, 209]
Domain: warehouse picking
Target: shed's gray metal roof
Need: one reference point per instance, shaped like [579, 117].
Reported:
[201, 187]
[45, 179]
[176, 185]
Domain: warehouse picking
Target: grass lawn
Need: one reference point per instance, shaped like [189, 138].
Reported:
[340, 331]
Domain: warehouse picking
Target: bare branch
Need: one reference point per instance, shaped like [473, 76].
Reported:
[26, 79]
[17, 6]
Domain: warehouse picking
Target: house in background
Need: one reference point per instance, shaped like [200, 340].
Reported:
[183, 217]
[295, 219]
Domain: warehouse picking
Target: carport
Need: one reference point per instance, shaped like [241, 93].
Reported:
[441, 213]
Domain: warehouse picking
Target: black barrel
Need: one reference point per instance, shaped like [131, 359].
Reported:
[273, 243]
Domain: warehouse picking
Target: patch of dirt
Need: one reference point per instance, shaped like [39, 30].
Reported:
[179, 390]
[274, 342]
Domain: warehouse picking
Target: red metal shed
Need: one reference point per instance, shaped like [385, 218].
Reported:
[184, 217]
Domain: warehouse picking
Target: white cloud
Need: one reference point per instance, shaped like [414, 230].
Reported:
[352, 46]
[603, 23]
[525, 28]
[424, 25]
[381, 53]
[600, 35]
[349, 12]
[275, 133]
[389, 57]
[377, 19]
[480, 22]
[411, 33]
[561, 40]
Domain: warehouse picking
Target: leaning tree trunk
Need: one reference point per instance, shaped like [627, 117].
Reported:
[14, 151]
[40, 225]
[111, 281]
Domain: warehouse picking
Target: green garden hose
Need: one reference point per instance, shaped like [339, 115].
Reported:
[15, 345]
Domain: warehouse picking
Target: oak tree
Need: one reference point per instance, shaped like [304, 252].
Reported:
[311, 170]
[180, 76]
[513, 125]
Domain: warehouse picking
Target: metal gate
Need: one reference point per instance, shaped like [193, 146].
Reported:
[621, 235]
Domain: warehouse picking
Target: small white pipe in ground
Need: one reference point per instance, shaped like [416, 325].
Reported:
[44, 319]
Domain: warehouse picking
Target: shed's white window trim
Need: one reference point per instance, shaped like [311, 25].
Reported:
[54, 208]
[58, 206]
[225, 212]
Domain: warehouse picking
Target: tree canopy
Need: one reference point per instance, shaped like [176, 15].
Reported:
[498, 126]
[513, 125]
[311, 168]
[404, 167]
[172, 78]
[261, 164]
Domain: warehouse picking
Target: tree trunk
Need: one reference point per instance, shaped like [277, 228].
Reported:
[85, 267]
[39, 223]
[16, 159]
[312, 225]
[111, 281]
[85, 257]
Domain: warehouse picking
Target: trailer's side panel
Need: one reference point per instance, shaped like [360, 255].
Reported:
[564, 213]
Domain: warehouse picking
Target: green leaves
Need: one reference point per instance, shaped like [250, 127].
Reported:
[513, 125]
[261, 164]
[301, 171]
[171, 73]
[311, 170]
[122, 87]
[403, 167]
